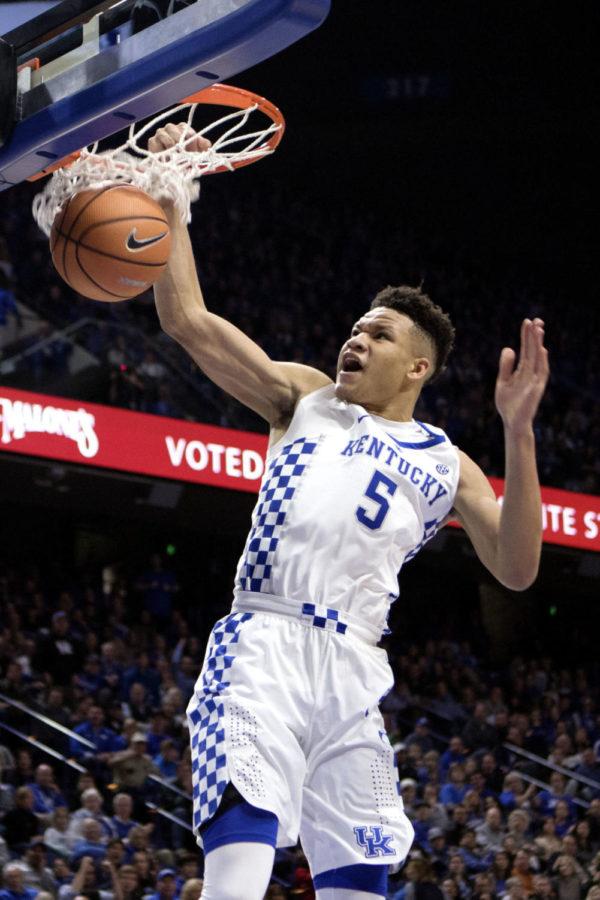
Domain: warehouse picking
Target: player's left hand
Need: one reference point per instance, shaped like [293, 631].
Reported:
[519, 389]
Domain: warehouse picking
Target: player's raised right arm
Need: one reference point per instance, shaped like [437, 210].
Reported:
[224, 353]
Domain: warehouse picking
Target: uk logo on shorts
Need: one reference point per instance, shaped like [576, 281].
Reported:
[374, 841]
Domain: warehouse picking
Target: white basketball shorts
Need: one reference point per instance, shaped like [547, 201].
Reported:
[286, 708]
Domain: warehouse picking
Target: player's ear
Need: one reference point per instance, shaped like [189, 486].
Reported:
[421, 369]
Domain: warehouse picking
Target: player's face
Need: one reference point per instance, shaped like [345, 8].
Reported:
[379, 361]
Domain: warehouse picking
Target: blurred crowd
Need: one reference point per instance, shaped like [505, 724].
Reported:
[294, 275]
[498, 766]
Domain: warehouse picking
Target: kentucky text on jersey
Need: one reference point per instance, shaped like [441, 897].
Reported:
[380, 450]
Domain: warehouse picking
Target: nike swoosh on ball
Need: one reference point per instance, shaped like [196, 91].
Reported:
[134, 244]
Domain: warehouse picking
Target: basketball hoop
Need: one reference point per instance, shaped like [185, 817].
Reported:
[171, 174]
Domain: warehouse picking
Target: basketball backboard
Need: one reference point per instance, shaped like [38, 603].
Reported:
[82, 75]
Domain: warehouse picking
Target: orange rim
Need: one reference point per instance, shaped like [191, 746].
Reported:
[239, 98]
[218, 95]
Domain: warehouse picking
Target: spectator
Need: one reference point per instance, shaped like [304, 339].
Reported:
[56, 836]
[14, 884]
[477, 733]
[121, 821]
[523, 871]
[105, 741]
[166, 885]
[567, 884]
[192, 890]
[454, 754]
[91, 808]
[491, 834]
[501, 870]
[542, 888]
[546, 801]
[130, 883]
[167, 760]
[21, 823]
[46, 795]
[548, 844]
[36, 873]
[92, 842]
[60, 653]
[132, 767]
[453, 792]
[518, 824]
[137, 706]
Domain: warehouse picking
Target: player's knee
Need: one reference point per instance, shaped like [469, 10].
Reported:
[352, 881]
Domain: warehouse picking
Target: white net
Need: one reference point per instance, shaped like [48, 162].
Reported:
[171, 175]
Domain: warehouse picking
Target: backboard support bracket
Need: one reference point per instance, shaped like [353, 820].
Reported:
[142, 74]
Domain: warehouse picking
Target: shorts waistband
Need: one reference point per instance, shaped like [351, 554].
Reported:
[313, 614]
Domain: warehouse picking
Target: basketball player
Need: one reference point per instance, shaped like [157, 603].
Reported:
[286, 733]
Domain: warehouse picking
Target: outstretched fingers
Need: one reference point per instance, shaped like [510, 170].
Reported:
[507, 363]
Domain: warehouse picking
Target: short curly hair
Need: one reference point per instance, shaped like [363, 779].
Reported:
[427, 317]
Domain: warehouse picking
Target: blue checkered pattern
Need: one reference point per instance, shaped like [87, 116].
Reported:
[209, 761]
[283, 476]
[323, 617]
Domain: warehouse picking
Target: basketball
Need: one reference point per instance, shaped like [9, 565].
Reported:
[110, 244]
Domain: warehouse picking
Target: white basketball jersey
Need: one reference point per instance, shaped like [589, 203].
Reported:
[346, 499]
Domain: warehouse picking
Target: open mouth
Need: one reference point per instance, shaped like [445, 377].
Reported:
[351, 363]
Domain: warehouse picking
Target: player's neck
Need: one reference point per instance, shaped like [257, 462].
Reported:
[400, 409]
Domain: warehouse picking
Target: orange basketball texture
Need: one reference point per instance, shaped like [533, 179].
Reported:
[111, 243]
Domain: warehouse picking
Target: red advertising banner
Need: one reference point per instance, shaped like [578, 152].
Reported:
[78, 432]
[92, 434]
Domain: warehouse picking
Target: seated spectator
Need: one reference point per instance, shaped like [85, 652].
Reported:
[454, 754]
[542, 888]
[438, 852]
[408, 791]
[514, 890]
[36, 873]
[566, 881]
[166, 885]
[56, 836]
[454, 790]
[91, 808]
[491, 834]
[61, 872]
[21, 824]
[142, 864]
[547, 843]
[439, 813]
[420, 736]
[46, 795]
[167, 760]
[582, 835]
[92, 842]
[137, 706]
[192, 890]
[477, 733]
[422, 823]
[115, 852]
[514, 793]
[523, 871]
[105, 741]
[129, 883]
[501, 870]
[121, 821]
[589, 767]
[14, 884]
[564, 816]
[518, 824]
[471, 854]
[457, 874]
[545, 801]
[457, 825]
[90, 679]
[86, 882]
[131, 767]
[157, 732]
[492, 773]
[59, 654]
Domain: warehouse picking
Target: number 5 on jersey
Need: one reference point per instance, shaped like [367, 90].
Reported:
[379, 486]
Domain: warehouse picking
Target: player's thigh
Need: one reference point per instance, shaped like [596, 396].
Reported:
[352, 812]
